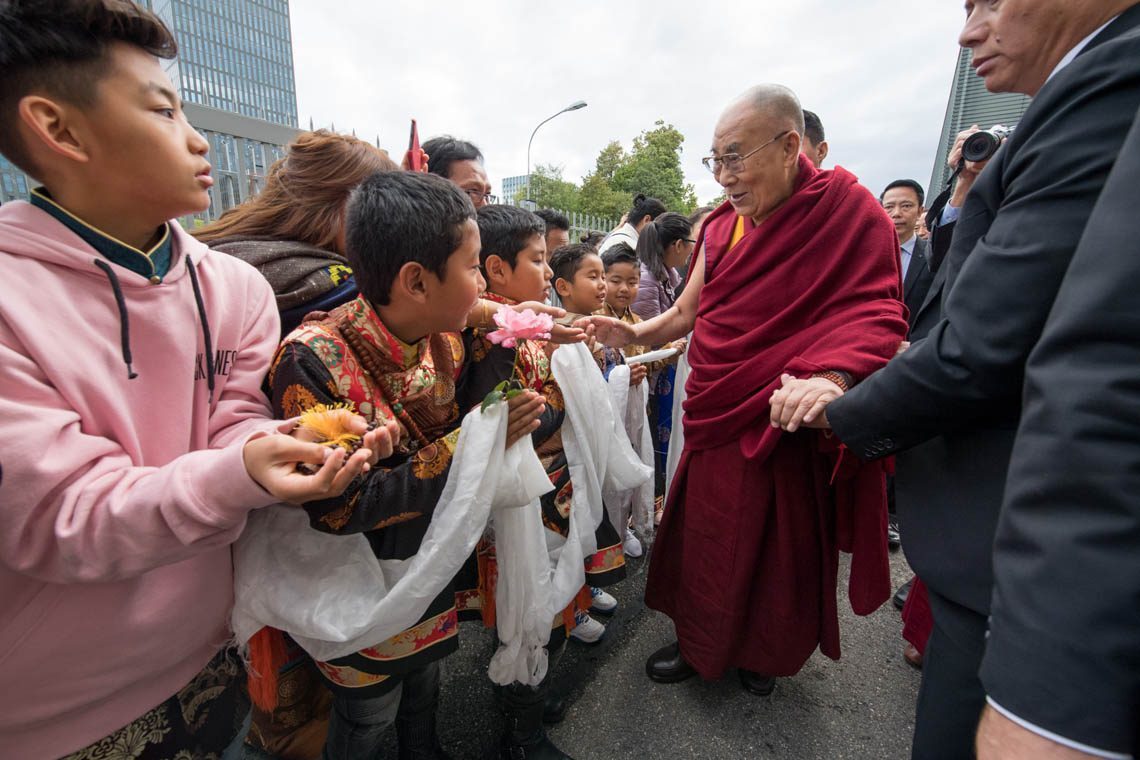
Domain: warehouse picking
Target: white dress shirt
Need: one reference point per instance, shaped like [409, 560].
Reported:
[906, 253]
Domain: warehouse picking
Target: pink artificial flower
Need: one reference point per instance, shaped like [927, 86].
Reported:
[520, 325]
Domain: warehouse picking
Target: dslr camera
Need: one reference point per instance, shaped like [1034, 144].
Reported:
[981, 146]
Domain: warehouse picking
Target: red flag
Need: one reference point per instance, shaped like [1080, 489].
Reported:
[414, 160]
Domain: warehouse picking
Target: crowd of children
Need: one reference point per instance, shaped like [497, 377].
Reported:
[139, 437]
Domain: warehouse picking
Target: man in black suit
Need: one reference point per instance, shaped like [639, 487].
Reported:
[1064, 647]
[902, 200]
[954, 397]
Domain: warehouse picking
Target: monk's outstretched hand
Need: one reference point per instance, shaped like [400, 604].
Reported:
[802, 402]
[612, 332]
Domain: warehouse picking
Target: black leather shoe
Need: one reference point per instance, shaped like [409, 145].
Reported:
[553, 709]
[666, 665]
[899, 599]
[894, 538]
[757, 683]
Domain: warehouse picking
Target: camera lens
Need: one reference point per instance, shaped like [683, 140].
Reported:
[980, 146]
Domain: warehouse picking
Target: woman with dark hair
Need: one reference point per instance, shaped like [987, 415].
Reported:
[696, 221]
[664, 244]
[644, 211]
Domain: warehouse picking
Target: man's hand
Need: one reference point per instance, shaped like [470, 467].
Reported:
[612, 332]
[903, 348]
[999, 738]
[969, 172]
[802, 402]
[523, 412]
[637, 374]
[272, 463]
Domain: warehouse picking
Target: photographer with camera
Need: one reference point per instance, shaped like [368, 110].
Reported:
[952, 402]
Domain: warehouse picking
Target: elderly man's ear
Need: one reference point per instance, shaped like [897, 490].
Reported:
[822, 149]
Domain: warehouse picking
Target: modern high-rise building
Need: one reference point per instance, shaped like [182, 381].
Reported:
[512, 186]
[971, 103]
[234, 72]
[234, 56]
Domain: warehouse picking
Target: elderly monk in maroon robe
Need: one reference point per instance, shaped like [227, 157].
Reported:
[797, 274]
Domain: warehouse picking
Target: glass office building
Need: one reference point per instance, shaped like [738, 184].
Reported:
[234, 72]
[234, 55]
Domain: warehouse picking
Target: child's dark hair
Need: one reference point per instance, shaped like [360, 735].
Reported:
[643, 207]
[445, 150]
[566, 260]
[620, 253]
[555, 220]
[399, 217]
[656, 237]
[593, 238]
[506, 230]
[58, 48]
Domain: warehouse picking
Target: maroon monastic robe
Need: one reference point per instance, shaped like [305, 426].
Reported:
[746, 560]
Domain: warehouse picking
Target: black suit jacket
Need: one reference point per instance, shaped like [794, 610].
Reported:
[958, 391]
[1064, 649]
[916, 284]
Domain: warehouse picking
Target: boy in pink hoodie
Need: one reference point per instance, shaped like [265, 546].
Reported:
[134, 437]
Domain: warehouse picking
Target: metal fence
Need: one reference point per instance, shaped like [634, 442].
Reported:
[580, 223]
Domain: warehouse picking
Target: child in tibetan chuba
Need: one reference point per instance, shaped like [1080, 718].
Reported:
[395, 354]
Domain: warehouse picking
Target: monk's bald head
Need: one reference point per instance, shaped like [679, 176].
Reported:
[756, 147]
[776, 105]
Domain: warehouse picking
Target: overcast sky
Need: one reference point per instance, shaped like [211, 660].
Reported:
[878, 72]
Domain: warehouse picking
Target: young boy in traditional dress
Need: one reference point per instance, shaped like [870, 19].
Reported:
[134, 436]
[622, 278]
[515, 268]
[395, 353]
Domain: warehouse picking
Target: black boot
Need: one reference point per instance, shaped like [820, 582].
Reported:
[553, 709]
[416, 735]
[525, 738]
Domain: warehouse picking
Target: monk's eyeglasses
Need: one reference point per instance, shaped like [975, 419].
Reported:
[734, 162]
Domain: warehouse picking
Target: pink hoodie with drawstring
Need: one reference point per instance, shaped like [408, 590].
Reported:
[119, 497]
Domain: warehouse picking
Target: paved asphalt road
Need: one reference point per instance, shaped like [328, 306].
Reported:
[859, 707]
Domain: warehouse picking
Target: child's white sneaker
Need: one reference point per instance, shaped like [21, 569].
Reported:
[586, 629]
[631, 545]
[602, 602]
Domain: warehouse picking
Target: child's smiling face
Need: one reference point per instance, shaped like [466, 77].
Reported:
[586, 293]
[621, 285]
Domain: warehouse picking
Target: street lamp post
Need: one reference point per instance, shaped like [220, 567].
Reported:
[572, 107]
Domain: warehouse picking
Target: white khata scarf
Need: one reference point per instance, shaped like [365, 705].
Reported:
[334, 597]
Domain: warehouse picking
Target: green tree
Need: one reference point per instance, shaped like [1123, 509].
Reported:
[549, 190]
[653, 167]
[598, 195]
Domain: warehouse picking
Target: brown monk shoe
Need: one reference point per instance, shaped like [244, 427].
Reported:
[666, 665]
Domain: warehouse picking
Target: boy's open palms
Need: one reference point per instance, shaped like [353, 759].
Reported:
[272, 462]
